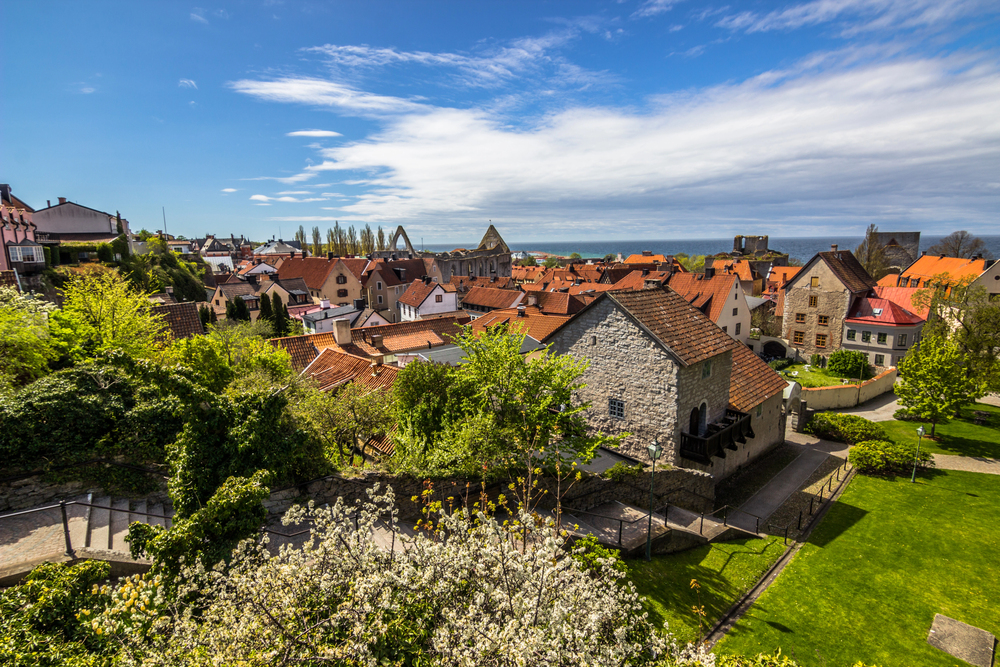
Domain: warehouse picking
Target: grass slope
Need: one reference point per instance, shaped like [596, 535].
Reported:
[887, 557]
[817, 377]
[961, 437]
[725, 570]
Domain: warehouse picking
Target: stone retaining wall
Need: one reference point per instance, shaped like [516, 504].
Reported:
[691, 489]
[37, 490]
[849, 395]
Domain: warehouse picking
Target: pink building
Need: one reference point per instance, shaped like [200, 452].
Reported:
[17, 235]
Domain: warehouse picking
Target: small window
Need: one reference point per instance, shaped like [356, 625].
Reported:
[901, 340]
[380, 298]
[341, 293]
[876, 311]
[866, 336]
[736, 311]
[341, 280]
[799, 338]
[760, 410]
[616, 408]
[882, 338]
[438, 298]
[738, 328]
[915, 282]
[814, 281]
[706, 369]
[824, 320]
[800, 318]
[820, 340]
[378, 286]
[852, 334]
[813, 301]
[879, 359]
[725, 329]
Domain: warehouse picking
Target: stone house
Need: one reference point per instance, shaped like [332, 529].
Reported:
[660, 369]
[335, 279]
[818, 299]
[384, 282]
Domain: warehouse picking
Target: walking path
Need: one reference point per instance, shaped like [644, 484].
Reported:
[969, 463]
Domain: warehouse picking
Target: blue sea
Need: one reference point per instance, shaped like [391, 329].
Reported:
[800, 248]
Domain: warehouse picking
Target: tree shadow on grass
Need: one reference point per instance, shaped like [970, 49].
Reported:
[840, 518]
[960, 446]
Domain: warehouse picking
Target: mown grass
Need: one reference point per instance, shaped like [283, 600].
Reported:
[816, 377]
[725, 571]
[888, 556]
[960, 437]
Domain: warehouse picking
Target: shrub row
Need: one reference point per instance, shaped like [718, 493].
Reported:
[882, 457]
[844, 428]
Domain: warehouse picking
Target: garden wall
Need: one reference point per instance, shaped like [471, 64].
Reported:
[42, 490]
[692, 489]
[849, 395]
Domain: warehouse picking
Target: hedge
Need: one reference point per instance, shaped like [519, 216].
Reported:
[844, 428]
[882, 457]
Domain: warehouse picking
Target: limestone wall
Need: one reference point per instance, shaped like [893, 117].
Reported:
[37, 490]
[849, 395]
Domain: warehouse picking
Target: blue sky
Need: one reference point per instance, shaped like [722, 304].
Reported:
[555, 120]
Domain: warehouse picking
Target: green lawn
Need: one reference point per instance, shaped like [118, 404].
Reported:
[887, 557]
[959, 436]
[725, 570]
[816, 377]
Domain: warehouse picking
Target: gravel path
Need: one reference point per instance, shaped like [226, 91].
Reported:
[969, 463]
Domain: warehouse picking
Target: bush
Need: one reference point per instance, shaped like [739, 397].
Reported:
[905, 415]
[780, 364]
[105, 253]
[818, 360]
[592, 556]
[882, 457]
[848, 363]
[844, 428]
[621, 471]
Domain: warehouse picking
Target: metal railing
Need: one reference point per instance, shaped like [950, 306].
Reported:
[815, 502]
[734, 428]
[621, 522]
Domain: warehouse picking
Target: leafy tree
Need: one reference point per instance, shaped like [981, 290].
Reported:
[241, 311]
[317, 243]
[428, 396]
[551, 263]
[104, 252]
[242, 346]
[347, 418]
[935, 382]
[575, 255]
[871, 254]
[693, 264]
[763, 318]
[848, 363]
[529, 261]
[230, 311]
[380, 240]
[205, 315]
[280, 313]
[300, 236]
[960, 244]
[610, 258]
[25, 348]
[104, 312]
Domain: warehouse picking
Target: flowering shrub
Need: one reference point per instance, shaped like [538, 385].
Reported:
[844, 428]
[882, 457]
[470, 591]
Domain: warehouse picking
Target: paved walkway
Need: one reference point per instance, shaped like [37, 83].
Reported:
[814, 451]
[878, 409]
[969, 463]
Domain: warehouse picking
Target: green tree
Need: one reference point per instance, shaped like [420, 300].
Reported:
[347, 419]
[871, 254]
[763, 318]
[25, 348]
[576, 255]
[280, 313]
[529, 261]
[848, 363]
[317, 243]
[266, 313]
[380, 240]
[241, 311]
[935, 381]
[960, 244]
[551, 263]
[101, 312]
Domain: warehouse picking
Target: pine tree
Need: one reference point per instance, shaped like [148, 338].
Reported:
[241, 310]
[204, 315]
[213, 317]
[279, 314]
[230, 310]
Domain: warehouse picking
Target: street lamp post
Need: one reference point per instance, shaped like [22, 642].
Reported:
[654, 450]
[920, 436]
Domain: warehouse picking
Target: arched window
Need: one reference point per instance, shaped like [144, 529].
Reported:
[703, 418]
[695, 421]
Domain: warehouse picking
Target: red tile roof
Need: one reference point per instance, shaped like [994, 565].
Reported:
[557, 303]
[709, 295]
[680, 327]
[314, 270]
[333, 368]
[356, 265]
[526, 272]
[303, 349]
[489, 297]
[779, 304]
[398, 272]
[637, 279]
[532, 321]
[903, 297]
[644, 258]
[181, 318]
[465, 283]
[739, 267]
[752, 381]
[781, 275]
[405, 336]
[872, 310]
[928, 266]
[419, 290]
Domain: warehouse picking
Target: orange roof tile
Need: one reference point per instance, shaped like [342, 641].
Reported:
[637, 279]
[466, 283]
[332, 369]
[314, 270]
[405, 336]
[740, 267]
[751, 381]
[643, 258]
[532, 321]
[558, 303]
[958, 268]
[709, 295]
[903, 297]
[889, 280]
[782, 274]
[779, 304]
[488, 297]
[419, 290]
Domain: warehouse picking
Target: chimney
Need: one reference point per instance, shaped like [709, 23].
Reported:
[62, 200]
[393, 257]
[532, 299]
[520, 311]
[652, 283]
[376, 340]
[342, 332]
[923, 253]
[329, 255]
[359, 304]
[48, 203]
[5, 191]
[168, 289]
[427, 280]
[833, 247]
[710, 272]
[645, 272]
[324, 303]
[941, 256]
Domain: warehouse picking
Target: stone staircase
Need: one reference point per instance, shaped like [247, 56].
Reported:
[94, 528]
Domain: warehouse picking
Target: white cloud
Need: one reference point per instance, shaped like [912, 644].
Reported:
[858, 15]
[321, 92]
[229, 190]
[196, 16]
[832, 139]
[187, 83]
[87, 90]
[314, 133]
[287, 180]
[653, 8]
[296, 192]
[265, 198]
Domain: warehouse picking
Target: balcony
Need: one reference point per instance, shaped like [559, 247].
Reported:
[733, 429]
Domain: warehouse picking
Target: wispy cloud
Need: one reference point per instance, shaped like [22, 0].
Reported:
[287, 180]
[290, 200]
[296, 192]
[303, 218]
[187, 83]
[87, 90]
[856, 15]
[314, 133]
[322, 92]
[197, 16]
[653, 8]
[229, 190]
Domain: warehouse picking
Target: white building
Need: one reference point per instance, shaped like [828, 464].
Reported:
[424, 298]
